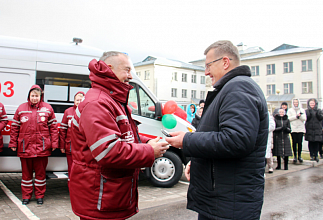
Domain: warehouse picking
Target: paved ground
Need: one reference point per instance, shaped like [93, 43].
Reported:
[57, 204]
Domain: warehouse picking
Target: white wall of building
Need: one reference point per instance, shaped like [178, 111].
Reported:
[161, 82]
[297, 76]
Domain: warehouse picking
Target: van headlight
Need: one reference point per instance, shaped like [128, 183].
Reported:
[190, 129]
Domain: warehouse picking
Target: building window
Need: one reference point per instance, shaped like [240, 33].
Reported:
[174, 92]
[202, 94]
[306, 65]
[184, 77]
[174, 76]
[288, 88]
[138, 74]
[193, 94]
[288, 67]
[147, 75]
[193, 78]
[202, 79]
[270, 69]
[271, 89]
[184, 93]
[255, 70]
[307, 87]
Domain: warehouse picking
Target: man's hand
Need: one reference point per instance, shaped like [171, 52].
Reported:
[159, 147]
[188, 171]
[13, 149]
[177, 139]
[54, 149]
[63, 151]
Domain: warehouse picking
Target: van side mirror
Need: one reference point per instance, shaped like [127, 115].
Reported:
[158, 111]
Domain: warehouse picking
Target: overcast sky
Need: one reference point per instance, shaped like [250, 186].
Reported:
[176, 29]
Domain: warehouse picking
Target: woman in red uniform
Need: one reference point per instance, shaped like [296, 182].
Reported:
[34, 135]
[65, 131]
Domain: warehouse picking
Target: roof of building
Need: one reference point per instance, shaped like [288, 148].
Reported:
[282, 50]
[284, 47]
[197, 60]
[168, 62]
[251, 50]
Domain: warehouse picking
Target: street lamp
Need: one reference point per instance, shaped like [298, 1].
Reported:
[278, 91]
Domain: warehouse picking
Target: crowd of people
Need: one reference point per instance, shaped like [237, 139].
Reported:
[286, 131]
[227, 166]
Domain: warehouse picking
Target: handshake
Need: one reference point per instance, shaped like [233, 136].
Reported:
[175, 140]
[159, 147]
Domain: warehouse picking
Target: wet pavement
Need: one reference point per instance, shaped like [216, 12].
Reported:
[297, 195]
[300, 186]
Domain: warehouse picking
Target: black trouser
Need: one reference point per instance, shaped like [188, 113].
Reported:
[320, 149]
[313, 147]
[297, 138]
[285, 162]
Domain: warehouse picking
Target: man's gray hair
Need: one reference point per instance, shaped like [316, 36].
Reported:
[108, 54]
[224, 47]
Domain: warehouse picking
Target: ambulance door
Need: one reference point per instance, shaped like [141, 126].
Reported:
[143, 110]
[14, 87]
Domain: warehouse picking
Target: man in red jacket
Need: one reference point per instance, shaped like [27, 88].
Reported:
[3, 123]
[107, 150]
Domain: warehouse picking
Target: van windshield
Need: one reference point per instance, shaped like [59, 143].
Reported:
[140, 103]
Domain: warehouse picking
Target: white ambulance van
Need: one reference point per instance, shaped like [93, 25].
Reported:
[61, 70]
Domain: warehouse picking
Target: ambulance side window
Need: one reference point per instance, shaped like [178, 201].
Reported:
[140, 103]
[60, 88]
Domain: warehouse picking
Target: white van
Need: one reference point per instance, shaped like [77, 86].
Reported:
[61, 70]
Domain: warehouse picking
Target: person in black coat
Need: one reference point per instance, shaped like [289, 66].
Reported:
[228, 148]
[284, 106]
[313, 128]
[197, 119]
[282, 147]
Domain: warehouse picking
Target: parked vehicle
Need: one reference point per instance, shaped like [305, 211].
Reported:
[61, 70]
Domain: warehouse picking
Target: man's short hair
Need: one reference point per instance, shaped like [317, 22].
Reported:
[224, 47]
[108, 54]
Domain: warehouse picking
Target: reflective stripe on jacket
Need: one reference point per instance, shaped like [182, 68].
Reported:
[34, 130]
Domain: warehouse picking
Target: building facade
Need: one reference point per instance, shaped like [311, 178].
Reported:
[173, 80]
[284, 73]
